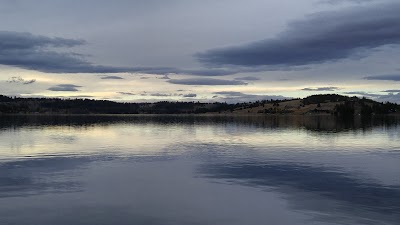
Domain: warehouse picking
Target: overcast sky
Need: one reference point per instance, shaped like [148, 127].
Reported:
[209, 50]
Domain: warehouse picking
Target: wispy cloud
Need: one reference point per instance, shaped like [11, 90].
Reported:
[190, 95]
[392, 91]
[230, 93]
[112, 78]
[321, 89]
[165, 77]
[249, 78]
[391, 77]
[65, 87]
[75, 96]
[20, 80]
[362, 93]
[235, 96]
[391, 97]
[206, 81]
[126, 93]
[160, 94]
[334, 2]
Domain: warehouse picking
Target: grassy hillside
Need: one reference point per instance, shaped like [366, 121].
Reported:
[322, 104]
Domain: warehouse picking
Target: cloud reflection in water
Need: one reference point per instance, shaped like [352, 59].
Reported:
[348, 196]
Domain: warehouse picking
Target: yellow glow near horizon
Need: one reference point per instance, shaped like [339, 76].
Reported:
[92, 86]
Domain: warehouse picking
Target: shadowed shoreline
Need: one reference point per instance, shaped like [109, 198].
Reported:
[315, 123]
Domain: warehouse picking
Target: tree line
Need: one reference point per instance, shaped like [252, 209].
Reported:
[346, 106]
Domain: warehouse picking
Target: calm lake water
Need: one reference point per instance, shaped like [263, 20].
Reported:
[199, 170]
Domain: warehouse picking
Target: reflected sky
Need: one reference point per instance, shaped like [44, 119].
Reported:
[199, 170]
[357, 199]
[39, 176]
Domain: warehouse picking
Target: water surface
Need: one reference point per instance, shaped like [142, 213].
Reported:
[199, 170]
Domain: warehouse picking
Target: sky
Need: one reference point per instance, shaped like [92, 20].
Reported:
[209, 50]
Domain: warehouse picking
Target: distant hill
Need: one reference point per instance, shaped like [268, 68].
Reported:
[316, 104]
[323, 104]
[14, 105]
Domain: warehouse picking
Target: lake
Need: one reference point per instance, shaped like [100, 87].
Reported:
[243, 170]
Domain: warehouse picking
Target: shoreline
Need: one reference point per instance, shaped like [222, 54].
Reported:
[190, 114]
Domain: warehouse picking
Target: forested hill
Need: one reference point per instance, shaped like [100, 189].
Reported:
[89, 106]
[315, 104]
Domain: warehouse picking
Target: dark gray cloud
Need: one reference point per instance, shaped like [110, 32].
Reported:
[172, 70]
[392, 91]
[65, 87]
[20, 80]
[29, 81]
[160, 95]
[165, 77]
[321, 89]
[36, 52]
[112, 78]
[190, 95]
[235, 96]
[206, 81]
[391, 77]
[334, 2]
[320, 38]
[249, 78]
[126, 93]
[207, 72]
[50, 54]
[23, 40]
[230, 93]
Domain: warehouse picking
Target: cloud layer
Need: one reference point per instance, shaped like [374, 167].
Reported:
[206, 81]
[36, 52]
[392, 91]
[320, 38]
[65, 87]
[112, 78]
[21, 80]
[235, 96]
[392, 96]
[391, 77]
[344, 1]
[248, 78]
[321, 89]
[41, 53]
